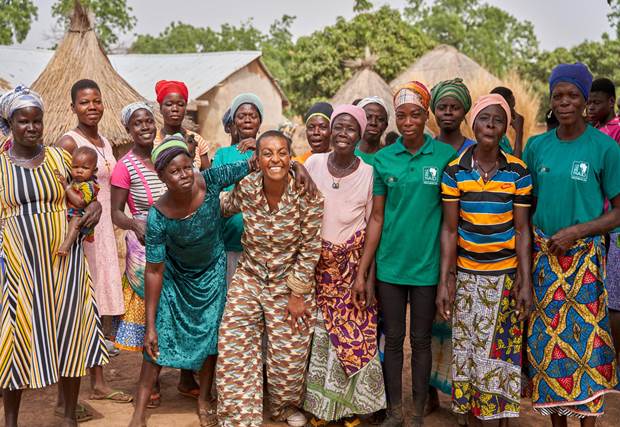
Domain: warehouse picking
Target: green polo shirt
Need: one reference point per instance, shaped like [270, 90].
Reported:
[572, 178]
[505, 145]
[408, 253]
[367, 158]
[233, 226]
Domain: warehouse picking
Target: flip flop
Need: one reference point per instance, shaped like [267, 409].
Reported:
[81, 413]
[208, 417]
[352, 422]
[116, 396]
[193, 393]
[154, 401]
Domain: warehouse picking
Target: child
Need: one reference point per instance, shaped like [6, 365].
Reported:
[80, 193]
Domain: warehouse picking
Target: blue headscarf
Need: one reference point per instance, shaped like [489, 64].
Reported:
[247, 98]
[16, 99]
[577, 74]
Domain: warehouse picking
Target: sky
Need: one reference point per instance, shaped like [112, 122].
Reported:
[556, 22]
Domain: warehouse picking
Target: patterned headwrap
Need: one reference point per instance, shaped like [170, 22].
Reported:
[165, 87]
[487, 100]
[16, 99]
[373, 100]
[354, 111]
[227, 120]
[454, 88]
[414, 93]
[577, 74]
[128, 111]
[247, 98]
[171, 141]
[322, 109]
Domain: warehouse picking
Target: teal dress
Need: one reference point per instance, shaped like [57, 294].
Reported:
[194, 283]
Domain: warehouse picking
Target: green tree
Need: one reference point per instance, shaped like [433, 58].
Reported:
[15, 20]
[362, 6]
[112, 17]
[488, 34]
[317, 70]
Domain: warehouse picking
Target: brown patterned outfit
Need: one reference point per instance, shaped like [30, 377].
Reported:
[280, 252]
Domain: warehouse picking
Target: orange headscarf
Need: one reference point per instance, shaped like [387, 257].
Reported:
[413, 92]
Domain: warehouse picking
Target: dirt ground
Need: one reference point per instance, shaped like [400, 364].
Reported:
[179, 411]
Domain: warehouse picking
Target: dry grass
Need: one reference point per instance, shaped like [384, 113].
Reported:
[80, 56]
[4, 86]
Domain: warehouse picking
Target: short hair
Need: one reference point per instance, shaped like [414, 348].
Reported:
[357, 101]
[391, 137]
[604, 85]
[551, 120]
[85, 151]
[505, 92]
[274, 134]
[81, 85]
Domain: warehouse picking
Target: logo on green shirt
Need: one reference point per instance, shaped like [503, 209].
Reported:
[431, 175]
[580, 171]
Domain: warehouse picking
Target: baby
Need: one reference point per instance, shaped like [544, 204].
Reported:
[80, 193]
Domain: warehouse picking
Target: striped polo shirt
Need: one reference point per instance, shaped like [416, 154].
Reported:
[486, 242]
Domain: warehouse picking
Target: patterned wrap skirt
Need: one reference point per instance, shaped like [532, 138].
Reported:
[345, 376]
[486, 347]
[570, 349]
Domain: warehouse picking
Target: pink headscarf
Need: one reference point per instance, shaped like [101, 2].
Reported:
[354, 111]
[487, 100]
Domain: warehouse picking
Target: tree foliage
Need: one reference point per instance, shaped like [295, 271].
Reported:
[317, 68]
[15, 20]
[488, 34]
[112, 17]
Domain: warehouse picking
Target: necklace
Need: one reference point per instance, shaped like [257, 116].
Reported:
[336, 184]
[25, 161]
[100, 150]
[486, 173]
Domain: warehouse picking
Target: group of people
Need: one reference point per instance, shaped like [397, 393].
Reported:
[301, 267]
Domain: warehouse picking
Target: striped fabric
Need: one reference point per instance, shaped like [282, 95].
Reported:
[144, 187]
[50, 324]
[486, 242]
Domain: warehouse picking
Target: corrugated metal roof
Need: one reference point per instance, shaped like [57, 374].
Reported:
[200, 71]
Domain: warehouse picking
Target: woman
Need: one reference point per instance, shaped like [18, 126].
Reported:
[318, 130]
[247, 114]
[574, 168]
[102, 254]
[377, 118]
[272, 291]
[185, 276]
[404, 225]
[485, 268]
[50, 329]
[135, 183]
[450, 103]
[344, 378]
[172, 97]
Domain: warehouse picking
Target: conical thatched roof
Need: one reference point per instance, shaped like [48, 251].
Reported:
[444, 63]
[365, 82]
[80, 56]
[4, 86]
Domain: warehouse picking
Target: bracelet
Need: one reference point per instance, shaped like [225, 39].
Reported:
[297, 286]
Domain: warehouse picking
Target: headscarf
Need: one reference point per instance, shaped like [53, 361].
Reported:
[373, 100]
[171, 141]
[454, 88]
[165, 87]
[128, 111]
[16, 99]
[487, 100]
[247, 98]
[354, 111]
[414, 93]
[322, 109]
[227, 120]
[577, 74]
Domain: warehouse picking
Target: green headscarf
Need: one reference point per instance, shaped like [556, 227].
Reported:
[170, 141]
[454, 88]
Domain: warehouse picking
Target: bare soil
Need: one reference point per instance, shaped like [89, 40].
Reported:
[178, 411]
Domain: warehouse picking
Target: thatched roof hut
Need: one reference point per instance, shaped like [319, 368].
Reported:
[4, 86]
[80, 56]
[446, 62]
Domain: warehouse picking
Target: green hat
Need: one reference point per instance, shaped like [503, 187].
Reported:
[454, 88]
[170, 141]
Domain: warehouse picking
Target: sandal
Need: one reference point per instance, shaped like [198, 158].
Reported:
[193, 393]
[82, 414]
[316, 422]
[154, 400]
[352, 422]
[116, 396]
[208, 416]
